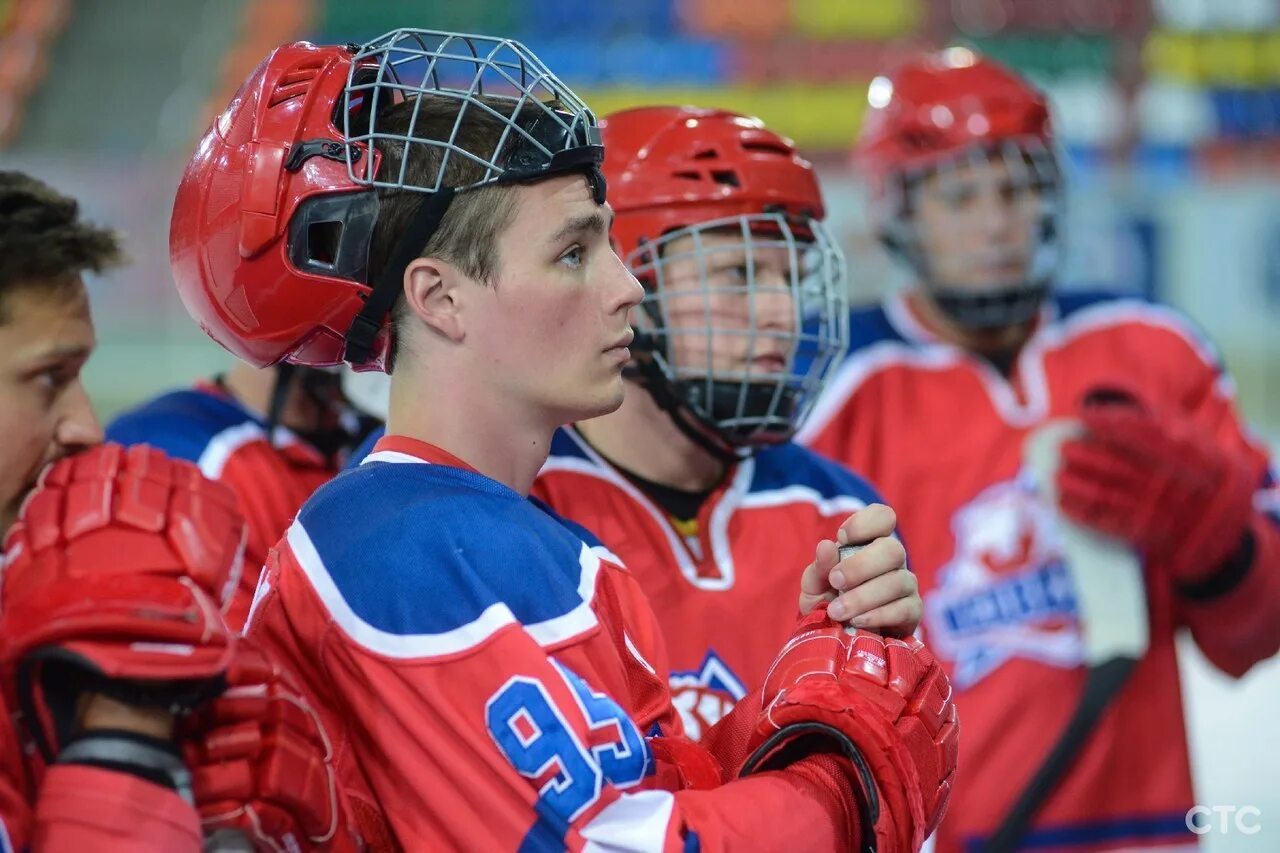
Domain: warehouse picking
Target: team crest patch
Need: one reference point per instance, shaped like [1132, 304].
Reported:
[704, 695]
[1006, 591]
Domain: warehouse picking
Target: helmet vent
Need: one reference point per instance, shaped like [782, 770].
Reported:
[687, 176]
[295, 82]
[766, 148]
[726, 176]
[706, 154]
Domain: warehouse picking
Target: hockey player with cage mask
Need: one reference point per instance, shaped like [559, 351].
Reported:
[694, 482]
[433, 203]
[1070, 470]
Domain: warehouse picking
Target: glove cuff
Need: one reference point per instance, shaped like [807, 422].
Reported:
[1229, 574]
[800, 740]
[153, 759]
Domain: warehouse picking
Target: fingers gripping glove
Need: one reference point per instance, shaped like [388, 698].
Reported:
[262, 763]
[884, 703]
[1160, 483]
[113, 580]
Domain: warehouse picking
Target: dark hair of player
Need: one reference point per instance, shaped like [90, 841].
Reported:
[43, 241]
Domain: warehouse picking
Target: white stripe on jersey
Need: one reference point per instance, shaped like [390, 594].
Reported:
[634, 823]
[550, 632]
[464, 637]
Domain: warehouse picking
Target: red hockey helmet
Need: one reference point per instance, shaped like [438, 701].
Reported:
[683, 172]
[940, 111]
[941, 105]
[672, 167]
[273, 218]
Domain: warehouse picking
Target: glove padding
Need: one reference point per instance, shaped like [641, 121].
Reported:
[1160, 483]
[113, 581]
[262, 763]
[885, 703]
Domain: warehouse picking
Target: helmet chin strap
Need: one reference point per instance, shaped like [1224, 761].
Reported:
[330, 440]
[285, 374]
[985, 311]
[650, 377]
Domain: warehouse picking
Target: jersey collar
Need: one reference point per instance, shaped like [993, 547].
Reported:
[402, 448]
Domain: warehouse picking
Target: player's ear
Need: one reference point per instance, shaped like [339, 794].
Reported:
[431, 293]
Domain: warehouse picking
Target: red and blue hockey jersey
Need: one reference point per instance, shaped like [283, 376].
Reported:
[725, 595]
[271, 476]
[490, 674]
[941, 433]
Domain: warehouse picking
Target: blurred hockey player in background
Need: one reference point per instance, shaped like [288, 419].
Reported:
[1033, 575]
[272, 435]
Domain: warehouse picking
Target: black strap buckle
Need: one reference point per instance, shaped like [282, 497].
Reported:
[301, 152]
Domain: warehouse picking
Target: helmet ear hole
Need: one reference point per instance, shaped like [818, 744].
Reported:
[322, 241]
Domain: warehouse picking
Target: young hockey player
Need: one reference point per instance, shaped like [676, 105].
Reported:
[694, 481]
[944, 389]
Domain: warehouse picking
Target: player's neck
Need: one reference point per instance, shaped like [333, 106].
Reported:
[1005, 341]
[252, 388]
[642, 438]
[481, 429]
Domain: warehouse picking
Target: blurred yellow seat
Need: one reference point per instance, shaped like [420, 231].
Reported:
[823, 19]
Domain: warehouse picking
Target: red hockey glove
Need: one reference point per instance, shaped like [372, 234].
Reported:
[1160, 483]
[113, 580]
[261, 761]
[684, 764]
[885, 703]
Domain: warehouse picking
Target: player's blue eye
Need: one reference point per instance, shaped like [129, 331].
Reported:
[572, 258]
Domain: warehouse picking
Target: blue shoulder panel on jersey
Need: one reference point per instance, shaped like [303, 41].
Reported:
[1070, 301]
[790, 464]
[181, 423]
[564, 445]
[869, 325]
[366, 447]
[425, 549]
[569, 524]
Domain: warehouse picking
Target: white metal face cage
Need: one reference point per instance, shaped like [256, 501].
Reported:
[707, 334]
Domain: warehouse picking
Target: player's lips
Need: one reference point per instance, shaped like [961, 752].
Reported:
[769, 363]
[620, 347]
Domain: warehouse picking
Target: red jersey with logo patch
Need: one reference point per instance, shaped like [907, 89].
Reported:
[724, 590]
[941, 433]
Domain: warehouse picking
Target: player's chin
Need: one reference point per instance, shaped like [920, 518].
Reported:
[607, 398]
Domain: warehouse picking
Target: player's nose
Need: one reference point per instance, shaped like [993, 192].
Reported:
[78, 425]
[773, 301]
[624, 290]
